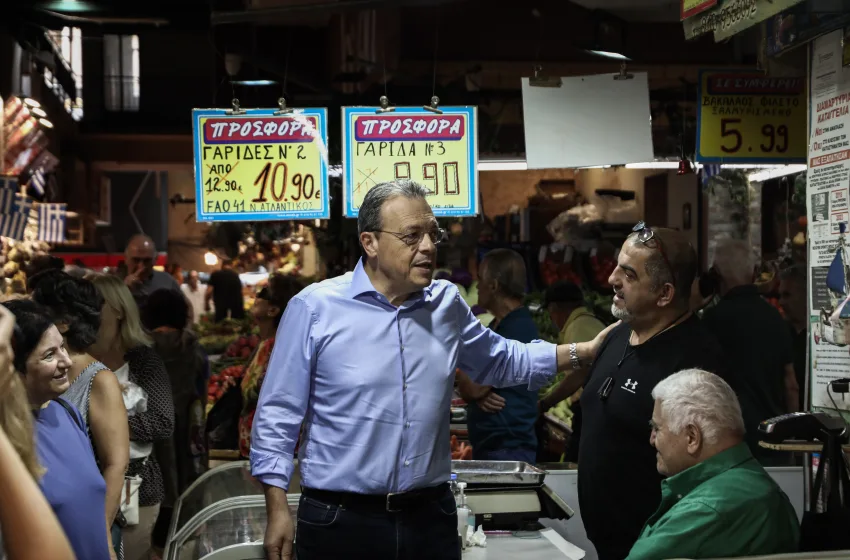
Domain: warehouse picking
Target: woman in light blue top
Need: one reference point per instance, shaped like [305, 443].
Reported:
[71, 482]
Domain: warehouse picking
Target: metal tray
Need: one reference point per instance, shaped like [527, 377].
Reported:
[498, 472]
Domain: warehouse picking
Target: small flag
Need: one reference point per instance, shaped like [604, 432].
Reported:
[8, 182]
[709, 171]
[38, 181]
[51, 222]
[14, 212]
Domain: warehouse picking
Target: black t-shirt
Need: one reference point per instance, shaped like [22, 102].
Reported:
[619, 487]
[227, 294]
[756, 341]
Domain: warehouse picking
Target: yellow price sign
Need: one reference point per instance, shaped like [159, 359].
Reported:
[439, 151]
[260, 165]
[691, 8]
[750, 118]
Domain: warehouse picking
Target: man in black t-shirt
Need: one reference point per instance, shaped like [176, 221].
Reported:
[618, 484]
[225, 290]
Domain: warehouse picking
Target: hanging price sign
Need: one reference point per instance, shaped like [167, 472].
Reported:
[751, 118]
[260, 165]
[439, 151]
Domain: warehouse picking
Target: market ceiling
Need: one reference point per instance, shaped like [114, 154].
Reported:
[202, 13]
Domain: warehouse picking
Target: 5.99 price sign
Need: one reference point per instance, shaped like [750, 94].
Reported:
[751, 118]
[260, 166]
[438, 151]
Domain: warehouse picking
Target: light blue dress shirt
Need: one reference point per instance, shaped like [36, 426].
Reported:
[373, 384]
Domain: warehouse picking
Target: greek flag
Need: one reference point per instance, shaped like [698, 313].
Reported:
[14, 212]
[51, 222]
[9, 182]
[38, 181]
[708, 171]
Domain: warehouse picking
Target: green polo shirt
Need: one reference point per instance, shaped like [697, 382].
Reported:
[726, 506]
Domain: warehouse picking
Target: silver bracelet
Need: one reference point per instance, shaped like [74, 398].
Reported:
[574, 359]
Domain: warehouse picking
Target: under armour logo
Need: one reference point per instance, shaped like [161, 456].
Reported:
[630, 385]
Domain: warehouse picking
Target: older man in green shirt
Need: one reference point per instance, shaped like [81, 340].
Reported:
[718, 500]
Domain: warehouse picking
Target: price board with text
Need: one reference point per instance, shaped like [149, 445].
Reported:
[439, 151]
[260, 165]
[744, 117]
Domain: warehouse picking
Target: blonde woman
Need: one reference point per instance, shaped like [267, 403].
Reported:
[28, 526]
[125, 348]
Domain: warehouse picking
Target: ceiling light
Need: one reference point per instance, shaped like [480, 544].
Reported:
[610, 55]
[38, 112]
[45, 123]
[503, 165]
[776, 172]
[31, 102]
[210, 259]
[254, 83]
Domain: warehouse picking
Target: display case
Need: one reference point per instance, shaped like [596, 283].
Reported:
[221, 516]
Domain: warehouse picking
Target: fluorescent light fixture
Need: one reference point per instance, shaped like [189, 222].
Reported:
[254, 83]
[38, 112]
[775, 172]
[30, 102]
[503, 165]
[595, 167]
[210, 258]
[610, 55]
[657, 165]
[45, 123]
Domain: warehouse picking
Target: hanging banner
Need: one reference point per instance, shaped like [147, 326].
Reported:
[439, 151]
[827, 196]
[799, 25]
[750, 118]
[260, 165]
[691, 8]
[730, 17]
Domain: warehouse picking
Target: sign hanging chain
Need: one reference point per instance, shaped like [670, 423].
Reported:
[286, 67]
[436, 48]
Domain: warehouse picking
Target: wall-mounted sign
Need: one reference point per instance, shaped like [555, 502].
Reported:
[750, 118]
[730, 17]
[799, 25]
[440, 151]
[260, 165]
[691, 8]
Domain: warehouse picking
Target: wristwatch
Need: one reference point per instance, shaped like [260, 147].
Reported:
[574, 359]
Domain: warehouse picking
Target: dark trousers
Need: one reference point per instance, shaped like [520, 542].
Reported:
[328, 531]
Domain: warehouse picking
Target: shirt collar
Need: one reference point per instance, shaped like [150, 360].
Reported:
[361, 284]
[684, 482]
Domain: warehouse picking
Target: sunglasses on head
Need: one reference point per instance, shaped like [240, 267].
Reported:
[265, 294]
[645, 235]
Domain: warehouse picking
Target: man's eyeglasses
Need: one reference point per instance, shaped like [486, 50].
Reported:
[645, 235]
[414, 239]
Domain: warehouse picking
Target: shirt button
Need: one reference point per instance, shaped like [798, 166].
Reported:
[405, 386]
[402, 348]
[407, 463]
[679, 496]
[407, 425]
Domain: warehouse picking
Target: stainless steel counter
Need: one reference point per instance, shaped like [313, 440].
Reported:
[548, 545]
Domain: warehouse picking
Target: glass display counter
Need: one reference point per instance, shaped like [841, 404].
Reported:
[222, 516]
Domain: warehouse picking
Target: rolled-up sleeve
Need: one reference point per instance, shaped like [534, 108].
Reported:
[490, 359]
[284, 397]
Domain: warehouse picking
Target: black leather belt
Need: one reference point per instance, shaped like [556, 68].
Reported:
[389, 502]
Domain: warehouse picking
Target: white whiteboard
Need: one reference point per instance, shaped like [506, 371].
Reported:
[588, 121]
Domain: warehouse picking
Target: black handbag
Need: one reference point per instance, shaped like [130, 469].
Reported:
[828, 529]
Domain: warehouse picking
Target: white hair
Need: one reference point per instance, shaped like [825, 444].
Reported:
[702, 399]
[735, 260]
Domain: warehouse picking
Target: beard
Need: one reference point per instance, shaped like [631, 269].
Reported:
[621, 313]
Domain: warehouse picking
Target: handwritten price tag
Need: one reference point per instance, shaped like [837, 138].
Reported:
[260, 166]
[438, 151]
[749, 118]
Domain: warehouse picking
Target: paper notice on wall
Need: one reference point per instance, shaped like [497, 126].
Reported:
[827, 197]
[828, 362]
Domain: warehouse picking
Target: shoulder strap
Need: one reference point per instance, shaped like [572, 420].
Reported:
[72, 412]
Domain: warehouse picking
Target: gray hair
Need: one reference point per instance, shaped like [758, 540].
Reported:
[369, 216]
[735, 261]
[507, 268]
[702, 399]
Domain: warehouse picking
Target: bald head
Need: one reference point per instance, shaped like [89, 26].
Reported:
[140, 255]
[682, 259]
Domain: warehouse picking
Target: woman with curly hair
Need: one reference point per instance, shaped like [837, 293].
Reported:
[124, 346]
[71, 481]
[29, 529]
[75, 304]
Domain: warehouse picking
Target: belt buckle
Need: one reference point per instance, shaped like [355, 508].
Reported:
[389, 502]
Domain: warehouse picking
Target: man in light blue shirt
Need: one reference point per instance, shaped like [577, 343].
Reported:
[367, 362]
